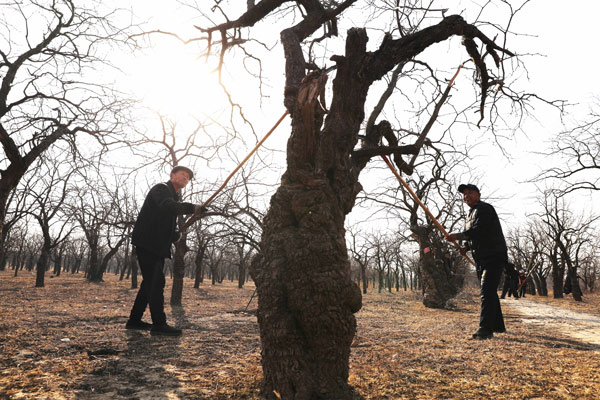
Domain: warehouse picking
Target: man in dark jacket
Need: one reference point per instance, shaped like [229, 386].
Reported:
[485, 239]
[153, 233]
[511, 281]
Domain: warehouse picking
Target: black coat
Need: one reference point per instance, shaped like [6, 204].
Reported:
[484, 233]
[155, 227]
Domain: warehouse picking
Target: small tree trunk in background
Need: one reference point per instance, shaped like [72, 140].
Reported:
[557, 279]
[134, 268]
[531, 288]
[178, 271]
[126, 264]
[92, 270]
[575, 288]
[199, 262]
[242, 274]
[57, 267]
[363, 276]
[42, 264]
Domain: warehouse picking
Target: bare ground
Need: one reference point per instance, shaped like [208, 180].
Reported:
[575, 324]
[66, 341]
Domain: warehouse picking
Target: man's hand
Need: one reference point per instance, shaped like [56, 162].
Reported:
[199, 209]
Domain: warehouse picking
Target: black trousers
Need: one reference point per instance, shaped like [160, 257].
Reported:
[522, 290]
[491, 314]
[510, 286]
[151, 288]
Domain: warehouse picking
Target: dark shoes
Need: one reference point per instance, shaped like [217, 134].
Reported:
[483, 334]
[139, 325]
[164, 330]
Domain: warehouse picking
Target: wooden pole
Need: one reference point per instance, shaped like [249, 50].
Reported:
[195, 217]
[423, 206]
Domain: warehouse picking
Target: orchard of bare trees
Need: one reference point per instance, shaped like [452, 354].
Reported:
[314, 220]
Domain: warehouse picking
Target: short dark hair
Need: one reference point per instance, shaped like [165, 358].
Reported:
[182, 168]
[464, 186]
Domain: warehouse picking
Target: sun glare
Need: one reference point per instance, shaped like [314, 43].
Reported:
[173, 81]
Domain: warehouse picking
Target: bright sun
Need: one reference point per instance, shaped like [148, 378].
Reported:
[173, 81]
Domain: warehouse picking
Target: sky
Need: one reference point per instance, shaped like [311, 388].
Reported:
[557, 45]
[565, 68]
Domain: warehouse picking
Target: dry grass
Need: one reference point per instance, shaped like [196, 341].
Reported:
[67, 341]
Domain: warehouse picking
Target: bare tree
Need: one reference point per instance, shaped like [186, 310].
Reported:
[570, 233]
[589, 266]
[380, 260]
[359, 250]
[529, 249]
[576, 150]
[18, 208]
[97, 209]
[49, 193]
[433, 185]
[46, 94]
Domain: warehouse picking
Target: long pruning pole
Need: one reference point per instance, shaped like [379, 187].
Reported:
[423, 206]
[529, 271]
[195, 217]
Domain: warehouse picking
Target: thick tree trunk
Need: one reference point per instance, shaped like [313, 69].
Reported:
[306, 295]
[439, 281]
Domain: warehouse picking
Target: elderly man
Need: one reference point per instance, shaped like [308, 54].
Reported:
[485, 239]
[153, 233]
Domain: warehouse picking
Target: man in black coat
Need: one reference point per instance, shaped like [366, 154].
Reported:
[485, 239]
[153, 234]
[511, 278]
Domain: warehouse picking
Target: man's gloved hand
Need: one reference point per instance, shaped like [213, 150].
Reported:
[199, 209]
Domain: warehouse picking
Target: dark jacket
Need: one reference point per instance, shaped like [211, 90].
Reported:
[155, 227]
[511, 272]
[484, 233]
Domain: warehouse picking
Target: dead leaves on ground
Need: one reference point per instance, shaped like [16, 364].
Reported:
[67, 341]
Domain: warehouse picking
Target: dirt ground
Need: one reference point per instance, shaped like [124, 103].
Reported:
[66, 341]
[572, 323]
